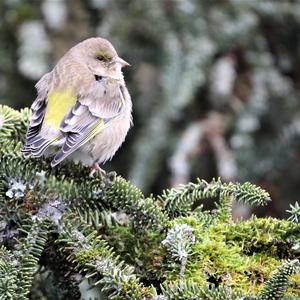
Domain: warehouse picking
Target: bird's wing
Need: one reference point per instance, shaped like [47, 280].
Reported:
[96, 105]
[38, 109]
[48, 111]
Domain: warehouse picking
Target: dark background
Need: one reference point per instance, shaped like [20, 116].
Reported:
[215, 84]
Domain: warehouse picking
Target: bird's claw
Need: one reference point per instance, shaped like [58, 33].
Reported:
[97, 169]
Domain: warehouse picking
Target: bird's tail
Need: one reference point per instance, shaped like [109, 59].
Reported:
[37, 146]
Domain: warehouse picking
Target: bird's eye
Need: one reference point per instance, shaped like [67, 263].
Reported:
[100, 58]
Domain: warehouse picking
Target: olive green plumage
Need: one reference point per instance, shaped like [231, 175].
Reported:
[83, 109]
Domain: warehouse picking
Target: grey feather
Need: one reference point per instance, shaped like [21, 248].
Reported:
[38, 109]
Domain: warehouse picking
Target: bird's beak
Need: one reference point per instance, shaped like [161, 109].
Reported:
[121, 61]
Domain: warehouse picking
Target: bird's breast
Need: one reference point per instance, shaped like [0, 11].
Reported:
[108, 141]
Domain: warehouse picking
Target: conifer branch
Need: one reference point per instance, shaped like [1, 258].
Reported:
[32, 248]
[163, 240]
[191, 291]
[294, 212]
[94, 258]
[179, 201]
[276, 286]
[8, 274]
[146, 212]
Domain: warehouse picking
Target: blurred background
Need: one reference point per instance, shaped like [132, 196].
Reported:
[215, 84]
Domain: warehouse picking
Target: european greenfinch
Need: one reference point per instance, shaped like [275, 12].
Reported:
[83, 110]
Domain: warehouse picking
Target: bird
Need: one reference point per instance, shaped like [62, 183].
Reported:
[83, 110]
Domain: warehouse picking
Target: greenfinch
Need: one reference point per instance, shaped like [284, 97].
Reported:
[83, 110]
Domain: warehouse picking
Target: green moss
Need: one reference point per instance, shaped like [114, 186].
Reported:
[211, 256]
[241, 255]
[86, 256]
[268, 235]
[259, 269]
[197, 225]
[133, 290]
[294, 288]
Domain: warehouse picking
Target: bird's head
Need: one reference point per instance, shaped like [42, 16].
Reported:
[100, 57]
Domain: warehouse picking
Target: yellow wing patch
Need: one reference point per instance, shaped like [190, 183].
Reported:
[59, 104]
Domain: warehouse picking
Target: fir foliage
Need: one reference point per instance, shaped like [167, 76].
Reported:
[8, 274]
[295, 212]
[130, 246]
[276, 286]
[31, 248]
[95, 258]
[179, 201]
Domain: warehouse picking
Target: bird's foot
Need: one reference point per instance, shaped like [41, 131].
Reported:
[97, 169]
[105, 177]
